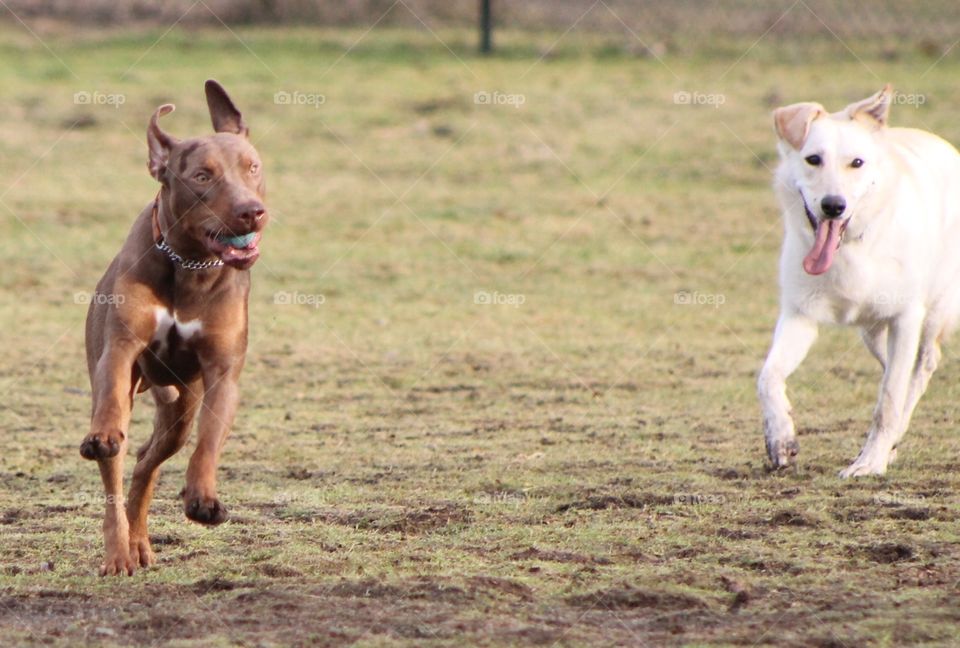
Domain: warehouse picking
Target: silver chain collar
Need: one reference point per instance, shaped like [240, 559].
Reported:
[186, 264]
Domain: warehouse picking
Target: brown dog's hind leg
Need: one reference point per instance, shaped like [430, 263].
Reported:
[172, 423]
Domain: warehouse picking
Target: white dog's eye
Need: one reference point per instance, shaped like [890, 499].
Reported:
[857, 163]
[813, 160]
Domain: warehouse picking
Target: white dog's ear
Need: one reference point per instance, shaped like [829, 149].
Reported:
[792, 122]
[874, 109]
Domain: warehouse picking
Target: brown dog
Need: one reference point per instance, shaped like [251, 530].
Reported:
[175, 323]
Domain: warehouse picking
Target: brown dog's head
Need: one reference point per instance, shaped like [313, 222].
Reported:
[213, 187]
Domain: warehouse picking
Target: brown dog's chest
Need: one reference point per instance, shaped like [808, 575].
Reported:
[199, 320]
[172, 357]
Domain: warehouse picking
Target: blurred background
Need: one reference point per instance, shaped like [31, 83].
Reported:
[676, 21]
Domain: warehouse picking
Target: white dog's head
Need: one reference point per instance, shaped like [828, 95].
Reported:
[832, 160]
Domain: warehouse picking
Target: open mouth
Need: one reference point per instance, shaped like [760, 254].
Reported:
[235, 250]
[827, 237]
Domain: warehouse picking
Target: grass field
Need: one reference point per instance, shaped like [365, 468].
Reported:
[500, 386]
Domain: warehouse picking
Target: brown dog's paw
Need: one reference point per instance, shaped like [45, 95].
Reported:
[141, 552]
[102, 446]
[118, 563]
[205, 510]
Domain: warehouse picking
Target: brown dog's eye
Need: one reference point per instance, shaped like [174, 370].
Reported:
[254, 169]
[813, 160]
[201, 177]
[857, 163]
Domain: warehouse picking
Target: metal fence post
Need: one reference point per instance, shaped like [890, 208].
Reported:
[486, 27]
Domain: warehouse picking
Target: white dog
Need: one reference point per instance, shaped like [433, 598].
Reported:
[872, 239]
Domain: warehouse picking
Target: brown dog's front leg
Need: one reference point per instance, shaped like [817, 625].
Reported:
[200, 502]
[107, 443]
[116, 529]
[112, 400]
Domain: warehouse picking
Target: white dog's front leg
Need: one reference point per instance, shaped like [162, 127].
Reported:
[794, 336]
[903, 342]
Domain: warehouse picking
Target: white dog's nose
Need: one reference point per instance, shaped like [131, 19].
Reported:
[833, 206]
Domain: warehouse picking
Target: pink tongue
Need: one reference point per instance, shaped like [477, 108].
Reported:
[827, 241]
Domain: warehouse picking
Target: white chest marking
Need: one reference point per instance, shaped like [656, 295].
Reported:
[166, 320]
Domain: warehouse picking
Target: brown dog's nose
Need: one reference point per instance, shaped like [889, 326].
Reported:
[250, 213]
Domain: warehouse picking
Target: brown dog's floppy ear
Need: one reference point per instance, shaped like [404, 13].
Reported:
[159, 143]
[792, 122]
[225, 116]
[874, 109]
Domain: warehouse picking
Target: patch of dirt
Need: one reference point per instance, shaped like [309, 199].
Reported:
[488, 584]
[888, 552]
[928, 575]
[60, 508]
[216, 584]
[910, 513]
[430, 106]
[729, 473]
[272, 570]
[625, 501]
[165, 540]
[737, 534]
[774, 567]
[793, 518]
[408, 521]
[445, 389]
[741, 593]
[534, 636]
[854, 514]
[554, 555]
[11, 516]
[423, 588]
[628, 597]
[302, 474]
[837, 426]
[190, 555]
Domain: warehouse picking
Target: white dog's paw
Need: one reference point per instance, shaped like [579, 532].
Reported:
[893, 456]
[782, 451]
[864, 466]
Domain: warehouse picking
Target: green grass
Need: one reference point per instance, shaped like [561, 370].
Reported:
[411, 467]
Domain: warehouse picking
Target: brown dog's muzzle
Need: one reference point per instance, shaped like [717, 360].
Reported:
[237, 244]
[251, 216]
